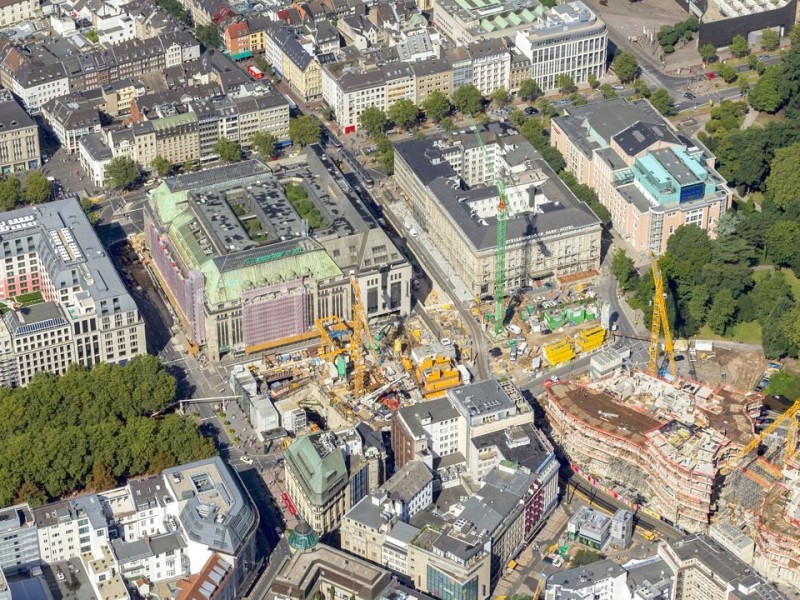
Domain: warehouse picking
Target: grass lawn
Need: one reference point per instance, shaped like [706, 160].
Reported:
[784, 384]
[791, 278]
[746, 333]
[28, 299]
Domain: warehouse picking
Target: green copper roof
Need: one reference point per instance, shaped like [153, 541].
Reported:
[320, 476]
[303, 537]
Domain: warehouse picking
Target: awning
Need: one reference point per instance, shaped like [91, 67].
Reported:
[242, 55]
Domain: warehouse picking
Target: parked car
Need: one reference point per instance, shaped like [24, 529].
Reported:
[248, 460]
[689, 96]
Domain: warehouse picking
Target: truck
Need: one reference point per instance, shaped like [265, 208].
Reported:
[255, 72]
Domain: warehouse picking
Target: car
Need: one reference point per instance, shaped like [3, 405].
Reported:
[764, 57]
[531, 111]
[248, 460]
[413, 233]
[618, 87]
[689, 96]
[495, 352]
[61, 576]
[554, 378]
[445, 342]
[711, 75]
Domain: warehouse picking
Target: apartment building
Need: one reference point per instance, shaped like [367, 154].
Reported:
[350, 90]
[19, 137]
[491, 65]
[601, 579]
[671, 465]
[227, 293]
[70, 118]
[94, 156]
[293, 62]
[326, 474]
[19, 542]
[446, 181]
[47, 71]
[429, 75]
[704, 570]
[651, 178]
[87, 315]
[569, 39]
[422, 432]
[14, 11]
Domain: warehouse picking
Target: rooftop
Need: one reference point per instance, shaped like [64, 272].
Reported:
[318, 465]
[587, 576]
[424, 413]
[523, 445]
[409, 481]
[481, 398]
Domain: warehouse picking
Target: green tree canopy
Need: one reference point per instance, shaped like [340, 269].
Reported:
[565, 83]
[668, 36]
[529, 90]
[161, 165]
[782, 244]
[770, 39]
[663, 102]
[608, 91]
[228, 150]
[404, 113]
[720, 314]
[436, 106]
[728, 73]
[794, 35]
[623, 269]
[37, 188]
[208, 35]
[642, 89]
[386, 155]
[501, 97]
[769, 93]
[10, 192]
[783, 183]
[739, 46]
[304, 130]
[593, 81]
[625, 66]
[264, 143]
[122, 173]
[468, 100]
[708, 53]
[373, 121]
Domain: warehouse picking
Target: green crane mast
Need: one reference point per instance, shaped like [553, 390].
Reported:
[500, 255]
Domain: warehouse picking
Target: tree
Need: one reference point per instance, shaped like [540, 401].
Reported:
[770, 39]
[608, 91]
[436, 106]
[228, 150]
[708, 53]
[667, 36]
[593, 81]
[32, 494]
[264, 143]
[642, 89]
[755, 64]
[373, 121]
[448, 124]
[468, 100]
[663, 102]
[161, 165]
[10, 192]
[739, 46]
[584, 557]
[501, 97]
[783, 183]
[697, 307]
[208, 35]
[304, 130]
[122, 173]
[102, 478]
[188, 165]
[768, 94]
[794, 35]
[625, 66]
[623, 269]
[37, 188]
[529, 90]
[92, 36]
[721, 313]
[782, 244]
[404, 113]
[386, 155]
[743, 84]
[565, 83]
[728, 73]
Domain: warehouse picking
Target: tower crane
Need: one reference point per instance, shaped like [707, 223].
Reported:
[659, 322]
[500, 254]
[357, 354]
[736, 458]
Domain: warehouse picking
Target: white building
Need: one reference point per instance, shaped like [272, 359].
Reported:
[14, 11]
[601, 580]
[95, 155]
[571, 40]
[491, 65]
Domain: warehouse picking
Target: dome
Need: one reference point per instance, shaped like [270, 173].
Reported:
[303, 537]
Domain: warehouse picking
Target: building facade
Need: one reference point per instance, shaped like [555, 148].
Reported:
[19, 137]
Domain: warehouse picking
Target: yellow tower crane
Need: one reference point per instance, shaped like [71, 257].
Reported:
[659, 322]
[791, 440]
[736, 457]
[357, 355]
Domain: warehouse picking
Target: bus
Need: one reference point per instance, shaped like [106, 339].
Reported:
[255, 72]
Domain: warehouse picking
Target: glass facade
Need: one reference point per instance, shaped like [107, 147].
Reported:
[444, 587]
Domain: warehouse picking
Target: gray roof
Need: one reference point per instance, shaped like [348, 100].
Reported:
[131, 551]
[725, 566]
[147, 492]
[510, 442]
[96, 148]
[587, 576]
[370, 437]
[402, 532]
[408, 481]
[72, 112]
[431, 66]
[481, 398]
[613, 116]
[286, 40]
[368, 511]
[642, 134]
[650, 576]
[37, 317]
[168, 542]
[436, 410]
[12, 115]
[675, 166]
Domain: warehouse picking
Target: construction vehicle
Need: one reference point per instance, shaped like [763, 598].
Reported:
[650, 536]
[500, 255]
[660, 322]
[737, 457]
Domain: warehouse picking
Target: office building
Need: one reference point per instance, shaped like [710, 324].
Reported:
[19, 542]
[86, 315]
[601, 579]
[70, 118]
[721, 20]
[704, 570]
[467, 21]
[232, 252]
[651, 178]
[569, 39]
[622, 528]
[448, 183]
[19, 137]
[292, 61]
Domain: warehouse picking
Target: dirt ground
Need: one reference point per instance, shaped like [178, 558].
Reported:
[741, 370]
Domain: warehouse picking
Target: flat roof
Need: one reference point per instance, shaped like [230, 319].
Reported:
[522, 444]
[481, 398]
